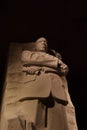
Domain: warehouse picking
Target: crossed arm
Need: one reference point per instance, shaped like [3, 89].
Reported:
[29, 58]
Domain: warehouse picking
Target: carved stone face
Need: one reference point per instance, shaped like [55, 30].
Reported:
[41, 44]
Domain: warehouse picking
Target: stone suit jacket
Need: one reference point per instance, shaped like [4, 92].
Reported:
[34, 85]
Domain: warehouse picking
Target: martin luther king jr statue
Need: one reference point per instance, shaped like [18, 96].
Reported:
[37, 97]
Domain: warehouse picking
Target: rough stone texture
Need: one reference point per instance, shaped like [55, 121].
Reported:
[31, 114]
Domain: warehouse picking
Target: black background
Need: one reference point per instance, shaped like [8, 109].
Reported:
[64, 24]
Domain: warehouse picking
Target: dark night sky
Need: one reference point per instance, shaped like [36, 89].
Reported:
[64, 24]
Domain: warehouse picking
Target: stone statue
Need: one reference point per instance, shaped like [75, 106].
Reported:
[37, 97]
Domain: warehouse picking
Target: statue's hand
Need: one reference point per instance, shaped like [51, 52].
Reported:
[62, 68]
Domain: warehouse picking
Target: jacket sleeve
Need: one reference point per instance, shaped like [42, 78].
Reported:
[39, 59]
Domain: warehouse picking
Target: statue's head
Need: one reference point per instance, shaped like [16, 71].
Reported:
[41, 44]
